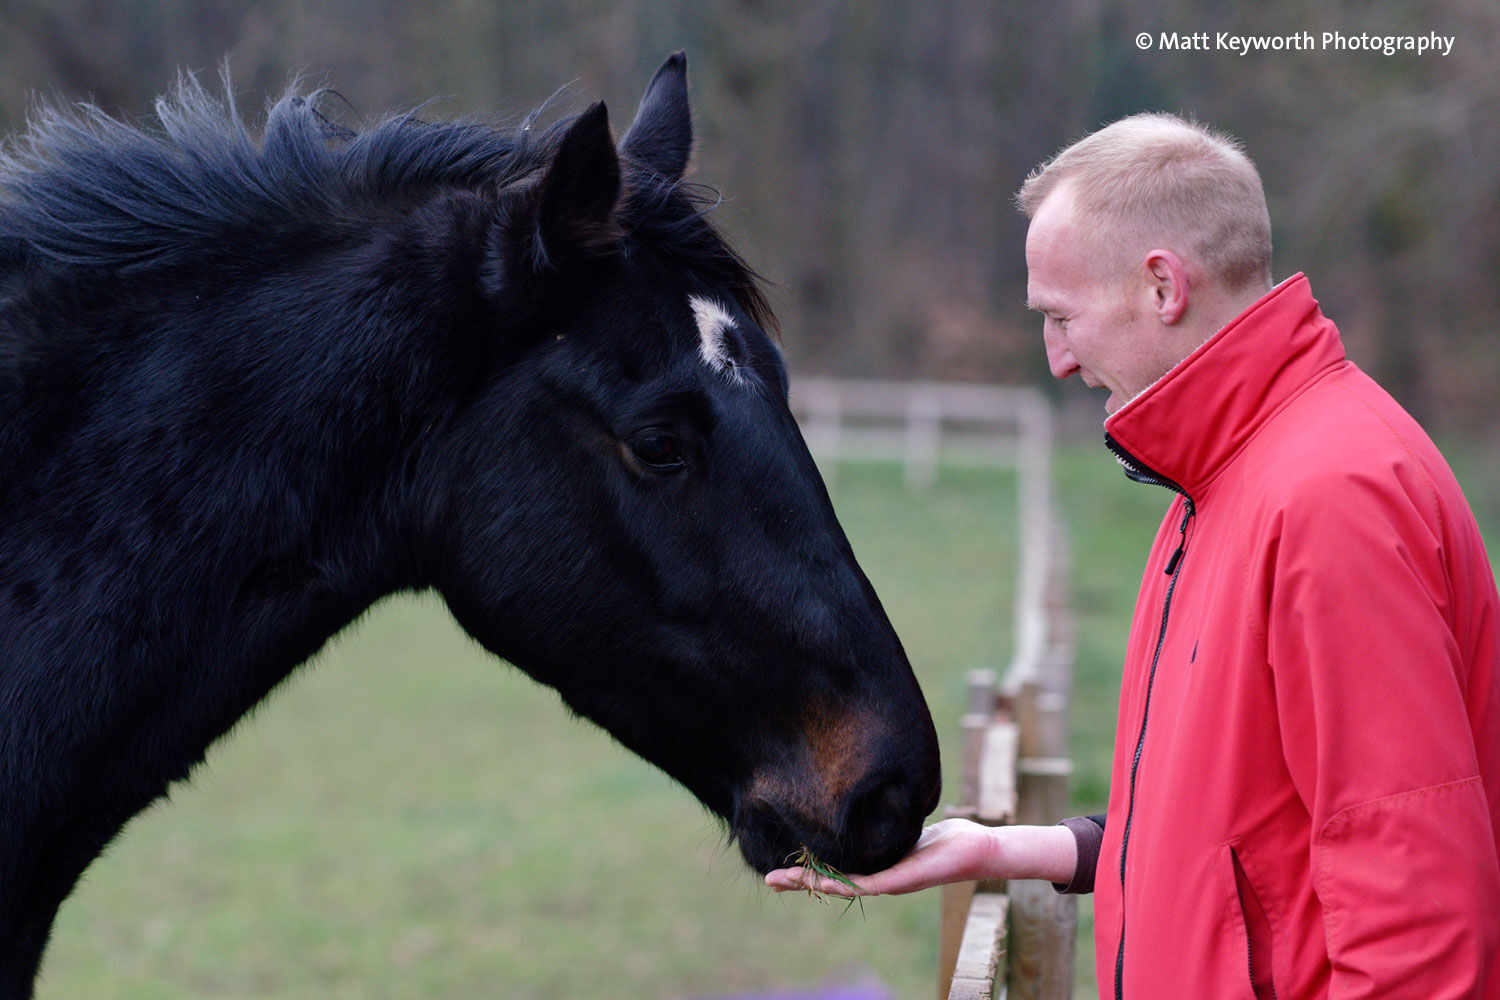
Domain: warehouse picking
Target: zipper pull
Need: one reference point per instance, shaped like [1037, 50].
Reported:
[1176, 558]
[1172, 562]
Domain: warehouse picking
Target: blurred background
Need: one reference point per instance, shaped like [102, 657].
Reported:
[868, 150]
[406, 820]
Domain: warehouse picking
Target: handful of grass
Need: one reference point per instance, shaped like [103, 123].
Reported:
[809, 861]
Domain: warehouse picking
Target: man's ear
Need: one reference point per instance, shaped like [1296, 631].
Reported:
[568, 215]
[661, 137]
[1167, 279]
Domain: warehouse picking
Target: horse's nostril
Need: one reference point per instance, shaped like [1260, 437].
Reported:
[887, 798]
[882, 824]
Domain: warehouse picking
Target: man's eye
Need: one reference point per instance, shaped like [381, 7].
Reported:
[658, 451]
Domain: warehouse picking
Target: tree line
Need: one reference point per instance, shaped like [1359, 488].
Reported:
[868, 151]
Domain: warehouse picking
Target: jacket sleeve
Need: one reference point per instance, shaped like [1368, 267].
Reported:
[1088, 835]
[1369, 683]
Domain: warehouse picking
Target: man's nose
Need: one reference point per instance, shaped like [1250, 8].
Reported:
[1059, 359]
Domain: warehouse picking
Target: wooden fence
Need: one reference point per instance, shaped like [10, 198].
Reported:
[998, 940]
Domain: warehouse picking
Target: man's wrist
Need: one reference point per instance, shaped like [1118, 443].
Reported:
[1034, 852]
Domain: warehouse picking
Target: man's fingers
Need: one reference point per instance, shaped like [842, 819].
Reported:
[785, 879]
[806, 880]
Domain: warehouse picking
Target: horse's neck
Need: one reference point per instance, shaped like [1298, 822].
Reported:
[218, 511]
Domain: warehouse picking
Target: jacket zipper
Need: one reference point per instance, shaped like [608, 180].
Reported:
[1139, 472]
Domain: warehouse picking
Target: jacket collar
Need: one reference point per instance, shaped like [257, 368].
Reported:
[1186, 427]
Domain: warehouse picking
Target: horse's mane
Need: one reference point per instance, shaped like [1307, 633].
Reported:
[82, 188]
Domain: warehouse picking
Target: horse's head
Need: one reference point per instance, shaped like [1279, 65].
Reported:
[633, 518]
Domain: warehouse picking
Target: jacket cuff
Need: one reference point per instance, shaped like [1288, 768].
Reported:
[1088, 833]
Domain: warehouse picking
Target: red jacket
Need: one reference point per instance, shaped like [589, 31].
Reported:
[1306, 785]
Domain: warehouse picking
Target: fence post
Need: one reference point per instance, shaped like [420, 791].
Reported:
[1043, 922]
[823, 426]
[924, 433]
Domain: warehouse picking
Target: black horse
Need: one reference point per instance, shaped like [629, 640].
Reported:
[249, 387]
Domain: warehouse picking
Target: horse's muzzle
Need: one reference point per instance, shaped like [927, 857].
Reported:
[868, 828]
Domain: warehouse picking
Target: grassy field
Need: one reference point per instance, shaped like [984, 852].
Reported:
[408, 817]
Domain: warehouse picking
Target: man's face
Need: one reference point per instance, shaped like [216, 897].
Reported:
[1098, 321]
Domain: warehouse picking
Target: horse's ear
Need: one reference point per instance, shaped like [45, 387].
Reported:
[579, 191]
[661, 136]
[568, 215]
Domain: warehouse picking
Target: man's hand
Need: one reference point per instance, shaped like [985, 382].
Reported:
[954, 850]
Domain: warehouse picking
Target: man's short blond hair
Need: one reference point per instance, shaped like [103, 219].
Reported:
[1156, 180]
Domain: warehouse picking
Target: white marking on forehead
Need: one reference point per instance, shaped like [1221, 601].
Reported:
[714, 324]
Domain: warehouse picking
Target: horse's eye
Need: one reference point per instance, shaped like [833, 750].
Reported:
[658, 451]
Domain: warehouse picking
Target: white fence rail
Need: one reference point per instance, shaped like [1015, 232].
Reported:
[922, 424]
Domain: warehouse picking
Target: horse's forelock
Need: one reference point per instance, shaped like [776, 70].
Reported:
[673, 217]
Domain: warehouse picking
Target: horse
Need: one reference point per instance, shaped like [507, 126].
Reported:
[252, 383]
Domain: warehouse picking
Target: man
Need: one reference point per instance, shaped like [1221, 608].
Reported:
[1306, 788]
